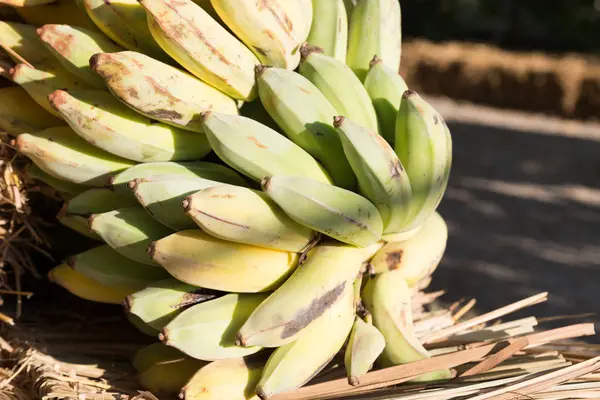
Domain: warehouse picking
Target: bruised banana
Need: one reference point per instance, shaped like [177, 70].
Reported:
[169, 375]
[333, 211]
[199, 43]
[256, 150]
[304, 299]
[153, 353]
[247, 216]
[65, 188]
[329, 29]
[64, 155]
[339, 85]
[381, 176]
[385, 87]
[206, 331]
[129, 231]
[65, 12]
[197, 258]
[158, 90]
[306, 117]
[365, 345]
[375, 30]
[19, 113]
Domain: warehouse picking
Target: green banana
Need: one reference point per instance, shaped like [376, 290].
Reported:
[385, 87]
[375, 30]
[256, 150]
[64, 155]
[206, 331]
[197, 258]
[315, 287]
[141, 325]
[247, 216]
[365, 345]
[129, 231]
[63, 12]
[336, 212]
[256, 111]
[167, 377]
[350, 4]
[19, 113]
[65, 188]
[21, 42]
[158, 90]
[339, 85]
[153, 353]
[24, 3]
[329, 29]
[381, 176]
[192, 37]
[306, 117]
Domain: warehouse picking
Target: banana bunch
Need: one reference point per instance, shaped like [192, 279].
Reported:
[259, 183]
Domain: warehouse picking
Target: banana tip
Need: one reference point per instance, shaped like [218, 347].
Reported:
[185, 203]
[70, 261]
[127, 304]
[239, 340]
[265, 182]
[181, 394]
[307, 49]
[408, 93]
[338, 121]
[57, 98]
[375, 61]
[152, 249]
[91, 219]
[133, 184]
[260, 69]
[262, 395]
[94, 60]
[205, 115]
[163, 336]
[353, 380]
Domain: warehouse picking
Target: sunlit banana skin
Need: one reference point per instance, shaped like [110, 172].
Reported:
[206, 331]
[24, 3]
[65, 12]
[169, 375]
[257, 151]
[64, 155]
[192, 37]
[375, 30]
[336, 212]
[199, 259]
[158, 90]
[329, 29]
[153, 353]
[66, 189]
[19, 113]
[247, 216]
[385, 87]
[22, 39]
[381, 176]
[231, 379]
[306, 117]
[365, 344]
[315, 288]
[339, 85]
[256, 111]
[129, 231]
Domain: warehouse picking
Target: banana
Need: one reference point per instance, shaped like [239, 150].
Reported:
[381, 176]
[418, 256]
[272, 29]
[19, 113]
[24, 3]
[64, 155]
[161, 301]
[294, 364]
[65, 188]
[388, 298]
[247, 216]
[129, 231]
[6, 64]
[349, 4]
[256, 111]
[167, 377]
[401, 236]
[153, 353]
[385, 87]
[65, 12]
[141, 325]
[102, 120]
[365, 345]
[369, 251]
[86, 288]
[256, 150]
[424, 146]
[73, 46]
[306, 117]
[339, 85]
[200, 44]
[231, 379]
[21, 43]
[336, 212]
[199, 259]
[158, 90]
[329, 29]
[375, 30]
[305, 298]
[206, 331]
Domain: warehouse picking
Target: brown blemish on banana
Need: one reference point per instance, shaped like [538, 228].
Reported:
[306, 50]
[192, 298]
[57, 99]
[375, 61]
[223, 220]
[260, 69]
[285, 24]
[133, 93]
[338, 121]
[265, 182]
[59, 42]
[170, 115]
[396, 169]
[256, 142]
[259, 50]
[152, 250]
[163, 336]
[394, 259]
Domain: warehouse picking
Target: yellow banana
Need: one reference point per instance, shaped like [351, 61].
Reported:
[153, 353]
[168, 376]
[65, 12]
[365, 344]
[19, 113]
[329, 29]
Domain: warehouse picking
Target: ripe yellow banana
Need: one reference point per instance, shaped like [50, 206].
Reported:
[199, 43]
[168, 376]
[329, 29]
[65, 188]
[19, 113]
[305, 298]
[246, 216]
[197, 258]
[336, 212]
[153, 353]
[65, 12]
[365, 345]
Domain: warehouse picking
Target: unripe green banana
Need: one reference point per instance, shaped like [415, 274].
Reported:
[375, 30]
[24, 3]
[64, 155]
[129, 231]
[19, 113]
[329, 29]
[158, 90]
[73, 47]
[66, 189]
[22, 40]
[256, 150]
[256, 111]
[385, 87]
[306, 117]
[424, 145]
[381, 176]
[199, 43]
[168, 376]
[339, 85]
[153, 353]
[369, 251]
[247, 216]
[141, 325]
[63, 12]
[315, 287]
[294, 364]
[206, 331]
[199, 259]
[336, 212]
[365, 344]
[350, 4]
